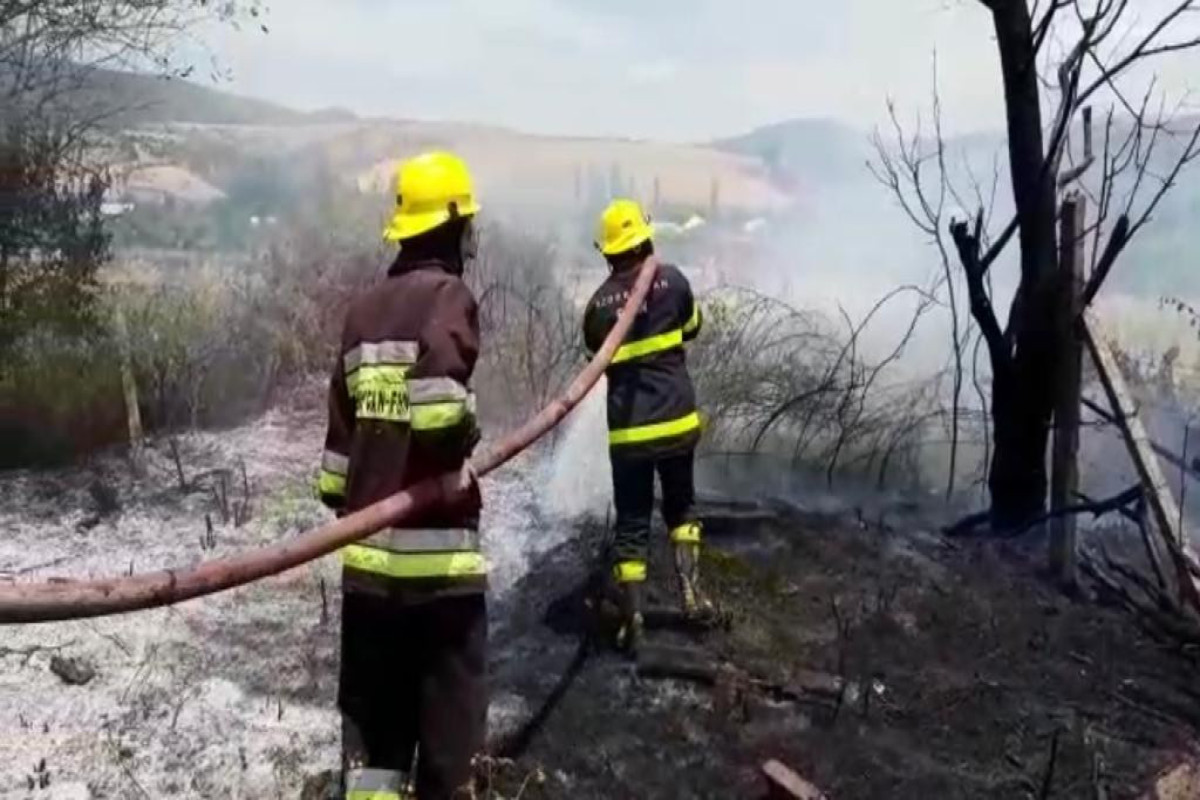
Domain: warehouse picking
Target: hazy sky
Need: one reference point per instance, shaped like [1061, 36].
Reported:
[674, 69]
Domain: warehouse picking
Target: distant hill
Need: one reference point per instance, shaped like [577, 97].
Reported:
[146, 99]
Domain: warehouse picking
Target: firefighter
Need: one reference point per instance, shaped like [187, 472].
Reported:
[653, 424]
[412, 687]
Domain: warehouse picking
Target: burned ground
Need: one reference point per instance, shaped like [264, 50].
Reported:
[961, 667]
[966, 676]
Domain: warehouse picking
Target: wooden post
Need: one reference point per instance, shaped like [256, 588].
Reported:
[1064, 479]
[132, 413]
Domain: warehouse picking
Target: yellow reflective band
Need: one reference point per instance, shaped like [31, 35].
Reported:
[459, 564]
[693, 324]
[687, 534]
[375, 784]
[436, 416]
[375, 794]
[649, 346]
[379, 392]
[659, 430]
[330, 483]
[630, 571]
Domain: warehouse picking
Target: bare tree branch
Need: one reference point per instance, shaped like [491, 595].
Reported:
[967, 242]
[1149, 46]
[1045, 23]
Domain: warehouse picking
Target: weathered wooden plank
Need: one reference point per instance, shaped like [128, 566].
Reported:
[785, 784]
[1162, 503]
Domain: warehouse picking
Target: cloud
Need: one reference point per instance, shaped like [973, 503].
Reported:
[659, 71]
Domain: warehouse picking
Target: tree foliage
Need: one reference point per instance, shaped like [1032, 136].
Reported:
[52, 236]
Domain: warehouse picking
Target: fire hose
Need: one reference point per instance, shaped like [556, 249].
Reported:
[62, 599]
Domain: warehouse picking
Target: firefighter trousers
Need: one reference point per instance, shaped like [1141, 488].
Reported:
[414, 673]
[633, 493]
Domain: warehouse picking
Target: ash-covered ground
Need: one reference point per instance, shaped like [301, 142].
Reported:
[223, 697]
[971, 677]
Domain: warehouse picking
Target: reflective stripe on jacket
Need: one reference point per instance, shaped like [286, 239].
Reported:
[400, 410]
[418, 553]
[651, 401]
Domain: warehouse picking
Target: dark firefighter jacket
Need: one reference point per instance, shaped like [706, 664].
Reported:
[400, 410]
[651, 402]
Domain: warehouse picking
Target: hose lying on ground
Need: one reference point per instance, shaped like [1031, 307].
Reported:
[60, 599]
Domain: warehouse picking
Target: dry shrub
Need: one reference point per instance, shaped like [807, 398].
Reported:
[222, 343]
[774, 379]
[532, 335]
[216, 344]
[210, 346]
[768, 377]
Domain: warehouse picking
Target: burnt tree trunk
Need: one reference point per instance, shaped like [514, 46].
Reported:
[1022, 391]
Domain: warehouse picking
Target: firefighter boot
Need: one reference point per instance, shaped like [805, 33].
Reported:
[629, 634]
[687, 568]
[628, 578]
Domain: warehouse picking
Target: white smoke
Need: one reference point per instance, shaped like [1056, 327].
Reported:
[530, 506]
[578, 479]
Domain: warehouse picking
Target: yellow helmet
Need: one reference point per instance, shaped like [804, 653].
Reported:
[431, 190]
[623, 226]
